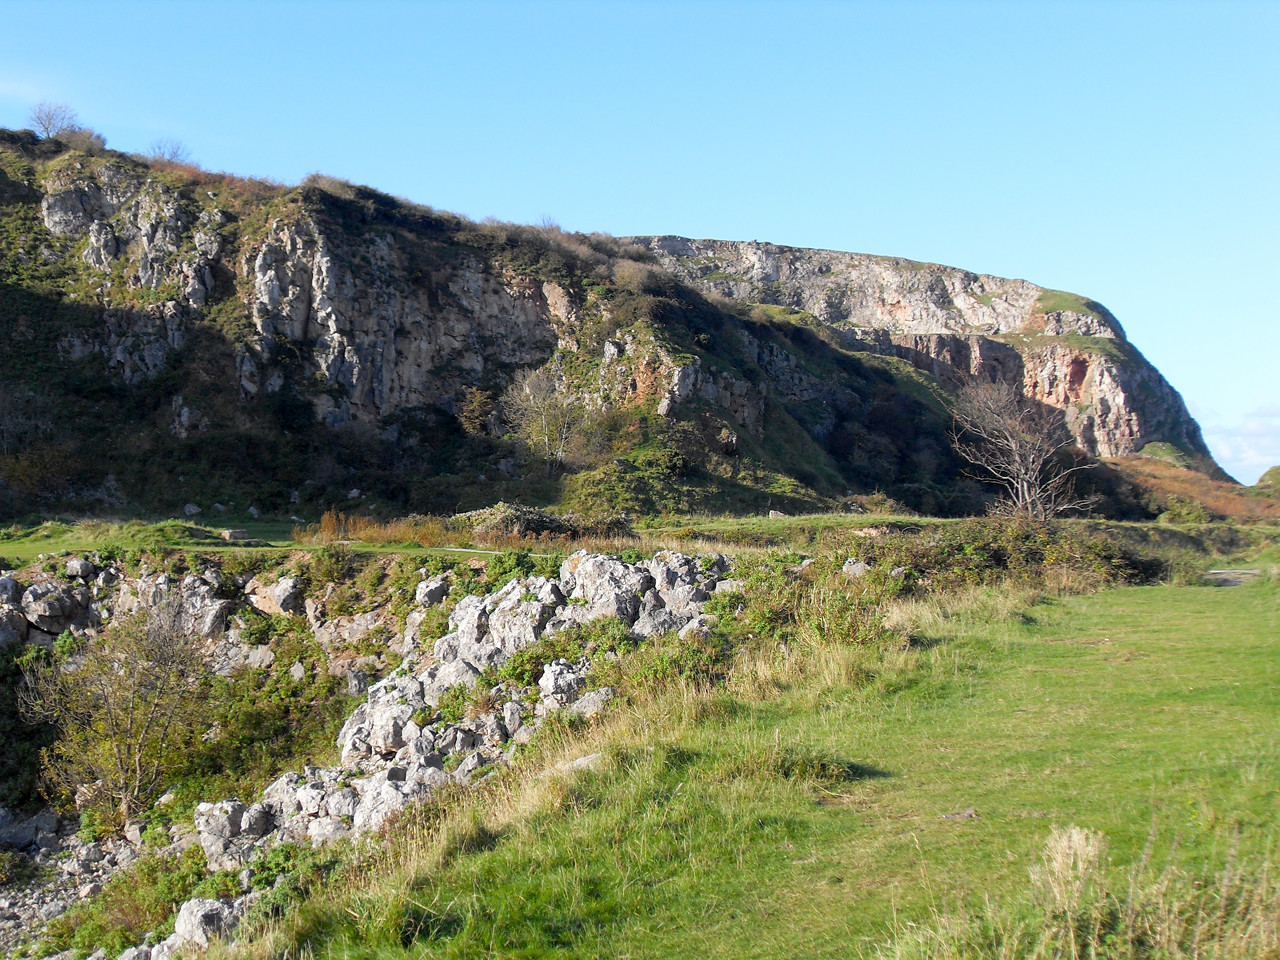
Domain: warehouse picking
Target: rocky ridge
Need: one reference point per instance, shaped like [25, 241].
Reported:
[396, 747]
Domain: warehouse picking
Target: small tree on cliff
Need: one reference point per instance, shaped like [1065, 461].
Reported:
[547, 417]
[52, 119]
[124, 709]
[1021, 446]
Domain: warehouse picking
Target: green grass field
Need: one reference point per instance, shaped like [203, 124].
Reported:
[871, 791]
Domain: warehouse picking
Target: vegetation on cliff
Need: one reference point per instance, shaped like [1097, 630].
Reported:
[179, 312]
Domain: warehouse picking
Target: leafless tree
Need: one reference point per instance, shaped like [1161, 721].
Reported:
[1021, 446]
[124, 708]
[171, 151]
[545, 415]
[52, 119]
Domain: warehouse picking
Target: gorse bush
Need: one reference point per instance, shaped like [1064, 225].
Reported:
[1184, 510]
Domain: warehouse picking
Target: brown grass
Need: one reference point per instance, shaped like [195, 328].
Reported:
[1226, 499]
[444, 532]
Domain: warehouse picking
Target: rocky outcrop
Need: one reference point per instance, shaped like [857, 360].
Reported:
[379, 317]
[855, 290]
[1113, 401]
[1063, 350]
[396, 747]
[409, 345]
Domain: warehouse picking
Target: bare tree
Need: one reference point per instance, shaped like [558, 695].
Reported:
[171, 151]
[1021, 446]
[124, 710]
[543, 414]
[52, 119]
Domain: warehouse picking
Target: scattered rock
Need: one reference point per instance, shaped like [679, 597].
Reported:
[593, 702]
[80, 569]
[433, 591]
[53, 606]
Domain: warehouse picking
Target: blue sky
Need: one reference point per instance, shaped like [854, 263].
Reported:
[1125, 151]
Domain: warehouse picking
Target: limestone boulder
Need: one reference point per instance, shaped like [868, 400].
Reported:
[52, 606]
[202, 921]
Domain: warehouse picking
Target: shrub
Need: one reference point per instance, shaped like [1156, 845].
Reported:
[990, 550]
[125, 715]
[1184, 510]
[16, 869]
[132, 903]
[507, 566]
[331, 563]
[452, 705]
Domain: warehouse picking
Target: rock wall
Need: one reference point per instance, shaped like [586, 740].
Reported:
[1113, 404]
[1063, 350]
[374, 334]
[375, 341]
[367, 319]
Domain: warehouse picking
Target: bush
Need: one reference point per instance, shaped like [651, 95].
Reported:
[121, 729]
[331, 563]
[1184, 510]
[452, 705]
[16, 869]
[524, 667]
[134, 902]
[991, 550]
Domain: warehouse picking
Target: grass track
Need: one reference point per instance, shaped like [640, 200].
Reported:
[1136, 712]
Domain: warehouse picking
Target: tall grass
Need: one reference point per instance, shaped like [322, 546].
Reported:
[435, 532]
[336, 526]
[1077, 908]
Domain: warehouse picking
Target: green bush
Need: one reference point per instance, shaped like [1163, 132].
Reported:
[524, 667]
[990, 550]
[132, 903]
[331, 563]
[507, 566]
[1184, 510]
[16, 869]
[452, 705]
[286, 873]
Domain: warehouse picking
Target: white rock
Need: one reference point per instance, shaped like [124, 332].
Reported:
[201, 921]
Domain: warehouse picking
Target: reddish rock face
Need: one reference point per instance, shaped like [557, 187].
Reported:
[1064, 350]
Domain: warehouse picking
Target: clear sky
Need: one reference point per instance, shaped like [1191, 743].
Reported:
[1126, 151]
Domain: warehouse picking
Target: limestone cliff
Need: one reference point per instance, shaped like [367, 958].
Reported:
[325, 338]
[1062, 349]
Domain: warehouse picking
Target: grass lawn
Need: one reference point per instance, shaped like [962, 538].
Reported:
[723, 828]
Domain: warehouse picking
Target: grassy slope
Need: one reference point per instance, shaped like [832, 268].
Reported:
[1136, 710]
[1227, 499]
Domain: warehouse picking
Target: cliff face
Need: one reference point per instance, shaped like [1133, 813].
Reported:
[330, 336]
[1063, 350]
[370, 339]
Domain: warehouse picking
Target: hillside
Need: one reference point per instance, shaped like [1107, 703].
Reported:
[1062, 349]
[451, 752]
[173, 337]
